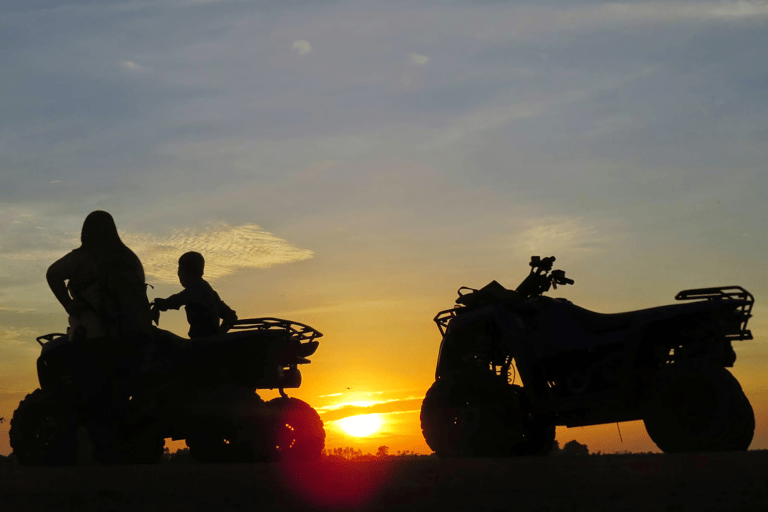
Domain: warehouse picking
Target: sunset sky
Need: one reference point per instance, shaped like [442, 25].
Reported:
[351, 164]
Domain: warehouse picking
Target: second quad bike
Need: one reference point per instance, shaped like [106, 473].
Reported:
[664, 365]
[201, 390]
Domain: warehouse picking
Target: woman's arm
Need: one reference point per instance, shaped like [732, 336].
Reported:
[62, 270]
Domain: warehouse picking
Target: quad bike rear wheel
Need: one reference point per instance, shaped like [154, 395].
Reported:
[740, 428]
[699, 409]
[471, 417]
[297, 432]
[44, 431]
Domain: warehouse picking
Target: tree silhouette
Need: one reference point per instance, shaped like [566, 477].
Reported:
[346, 453]
[574, 448]
[382, 452]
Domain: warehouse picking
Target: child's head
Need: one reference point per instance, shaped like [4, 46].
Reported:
[191, 266]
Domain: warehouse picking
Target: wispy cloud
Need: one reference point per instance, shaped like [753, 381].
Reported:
[392, 405]
[6, 309]
[18, 336]
[131, 66]
[679, 11]
[371, 305]
[29, 242]
[226, 249]
[418, 59]
[507, 24]
[303, 47]
[548, 234]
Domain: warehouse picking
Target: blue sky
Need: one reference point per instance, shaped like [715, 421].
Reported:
[323, 154]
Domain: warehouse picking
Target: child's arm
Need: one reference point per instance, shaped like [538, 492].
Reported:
[173, 302]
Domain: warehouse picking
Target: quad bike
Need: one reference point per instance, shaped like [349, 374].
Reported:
[202, 390]
[665, 365]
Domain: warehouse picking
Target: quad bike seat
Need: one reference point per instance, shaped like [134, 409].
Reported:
[597, 323]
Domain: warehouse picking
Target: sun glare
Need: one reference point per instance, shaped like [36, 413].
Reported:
[361, 425]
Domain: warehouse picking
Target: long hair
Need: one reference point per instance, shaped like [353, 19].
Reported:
[99, 238]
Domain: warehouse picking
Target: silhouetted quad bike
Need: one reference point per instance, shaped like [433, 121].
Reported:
[664, 365]
[201, 390]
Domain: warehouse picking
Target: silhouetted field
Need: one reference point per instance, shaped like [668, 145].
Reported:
[701, 482]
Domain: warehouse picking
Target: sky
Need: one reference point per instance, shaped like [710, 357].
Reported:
[351, 164]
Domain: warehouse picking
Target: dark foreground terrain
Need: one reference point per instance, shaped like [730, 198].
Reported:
[725, 481]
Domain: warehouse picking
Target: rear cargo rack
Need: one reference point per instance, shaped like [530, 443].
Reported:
[300, 332]
[736, 294]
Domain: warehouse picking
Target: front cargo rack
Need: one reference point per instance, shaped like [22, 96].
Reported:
[736, 294]
[443, 317]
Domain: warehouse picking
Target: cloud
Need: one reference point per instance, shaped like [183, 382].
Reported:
[31, 240]
[18, 336]
[339, 411]
[546, 234]
[676, 11]
[6, 309]
[348, 306]
[131, 66]
[418, 59]
[226, 249]
[303, 47]
[507, 24]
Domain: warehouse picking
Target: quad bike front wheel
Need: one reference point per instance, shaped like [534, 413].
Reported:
[699, 409]
[44, 431]
[467, 417]
[297, 432]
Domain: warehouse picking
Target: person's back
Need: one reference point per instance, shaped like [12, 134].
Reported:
[203, 305]
[124, 299]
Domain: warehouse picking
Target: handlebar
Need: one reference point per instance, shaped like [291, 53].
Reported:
[558, 277]
[541, 279]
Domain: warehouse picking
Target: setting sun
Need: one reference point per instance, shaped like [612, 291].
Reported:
[361, 425]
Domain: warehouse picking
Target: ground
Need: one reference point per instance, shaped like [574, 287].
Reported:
[699, 482]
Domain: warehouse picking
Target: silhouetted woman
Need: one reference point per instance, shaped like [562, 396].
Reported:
[101, 285]
[105, 293]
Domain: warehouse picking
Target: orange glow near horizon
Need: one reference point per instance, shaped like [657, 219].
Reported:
[361, 425]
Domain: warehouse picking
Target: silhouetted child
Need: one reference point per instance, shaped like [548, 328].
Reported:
[203, 306]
